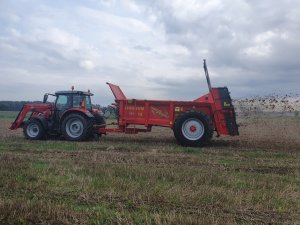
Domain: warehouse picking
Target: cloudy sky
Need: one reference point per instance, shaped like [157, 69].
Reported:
[152, 49]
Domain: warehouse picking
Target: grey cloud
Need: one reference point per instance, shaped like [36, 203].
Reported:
[250, 46]
[228, 31]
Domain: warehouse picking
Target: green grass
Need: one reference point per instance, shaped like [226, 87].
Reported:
[8, 115]
[148, 179]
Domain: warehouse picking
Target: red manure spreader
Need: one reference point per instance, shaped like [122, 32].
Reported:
[72, 116]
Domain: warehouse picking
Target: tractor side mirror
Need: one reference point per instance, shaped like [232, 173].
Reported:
[45, 98]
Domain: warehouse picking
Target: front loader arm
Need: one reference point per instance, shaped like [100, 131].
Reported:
[26, 109]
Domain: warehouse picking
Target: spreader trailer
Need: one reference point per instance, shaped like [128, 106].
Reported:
[193, 122]
[72, 116]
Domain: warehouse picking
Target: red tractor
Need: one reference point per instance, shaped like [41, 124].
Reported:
[193, 122]
[71, 116]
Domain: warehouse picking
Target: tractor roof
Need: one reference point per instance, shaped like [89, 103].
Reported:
[73, 93]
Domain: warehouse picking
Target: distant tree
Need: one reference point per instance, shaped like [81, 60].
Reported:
[3, 106]
[12, 105]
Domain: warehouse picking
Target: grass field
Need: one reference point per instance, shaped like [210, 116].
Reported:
[149, 179]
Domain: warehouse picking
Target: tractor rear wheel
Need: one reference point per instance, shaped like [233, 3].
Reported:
[193, 129]
[33, 130]
[75, 127]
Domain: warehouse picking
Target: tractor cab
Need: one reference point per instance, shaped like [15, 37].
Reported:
[65, 100]
[68, 100]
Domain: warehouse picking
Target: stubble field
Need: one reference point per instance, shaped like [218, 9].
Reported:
[149, 179]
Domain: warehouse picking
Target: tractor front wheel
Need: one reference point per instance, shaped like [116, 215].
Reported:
[75, 127]
[193, 129]
[33, 130]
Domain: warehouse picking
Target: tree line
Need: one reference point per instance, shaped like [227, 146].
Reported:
[13, 105]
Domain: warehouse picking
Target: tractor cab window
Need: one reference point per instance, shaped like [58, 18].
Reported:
[87, 102]
[77, 99]
[82, 101]
[63, 102]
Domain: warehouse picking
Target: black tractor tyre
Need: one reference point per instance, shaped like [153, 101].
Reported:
[76, 127]
[99, 120]
[193, 129]
[34, 130]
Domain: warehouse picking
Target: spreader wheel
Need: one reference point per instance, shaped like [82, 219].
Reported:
[33, 130]
[193, 129]
[75, 127]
